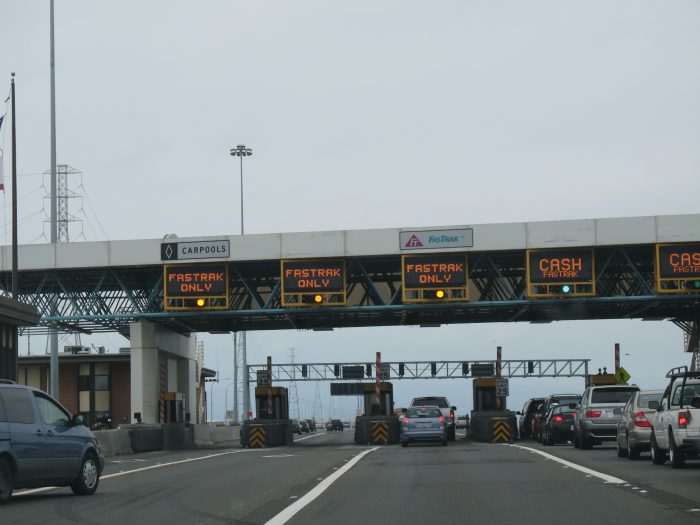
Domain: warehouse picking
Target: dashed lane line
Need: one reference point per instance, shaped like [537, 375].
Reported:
[590, 472]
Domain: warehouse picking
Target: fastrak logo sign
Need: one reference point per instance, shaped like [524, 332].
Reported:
[436, 239]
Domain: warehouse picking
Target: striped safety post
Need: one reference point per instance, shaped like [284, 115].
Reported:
[163, 377]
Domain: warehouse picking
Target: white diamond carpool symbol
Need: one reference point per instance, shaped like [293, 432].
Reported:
[169, 251]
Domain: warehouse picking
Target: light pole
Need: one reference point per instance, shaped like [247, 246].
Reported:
[241, 151]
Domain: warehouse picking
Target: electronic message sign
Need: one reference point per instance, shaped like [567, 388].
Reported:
[434, 278]
[195, 286]
[313, 282]
[677, 268]
[560, 272]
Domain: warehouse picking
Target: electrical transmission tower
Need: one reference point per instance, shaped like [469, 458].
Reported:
[65, 196]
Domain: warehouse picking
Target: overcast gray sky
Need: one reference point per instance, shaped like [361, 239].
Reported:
[366, 114]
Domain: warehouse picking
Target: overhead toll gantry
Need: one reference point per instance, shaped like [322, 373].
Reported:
[636, 268]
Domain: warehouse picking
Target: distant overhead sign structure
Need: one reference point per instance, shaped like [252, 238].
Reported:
[434, 278]
[313, 282]
[195, 286]
[560, 272]
[678, 268]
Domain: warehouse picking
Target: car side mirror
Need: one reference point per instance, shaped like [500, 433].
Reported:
[654, 405]
[78, 420]
[695, 403]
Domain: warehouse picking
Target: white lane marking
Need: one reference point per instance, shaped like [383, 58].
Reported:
[125, 472]
[294, 508]
[580, 468]
[311, 436]
[281, 456]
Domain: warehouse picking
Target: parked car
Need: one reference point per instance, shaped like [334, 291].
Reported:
[296, 426]
[304, 425]
[634, 426]
[423, 423]
[598, 413]
[42, 444]
[676, 425]
[312, 425]
[526, 415]
[558, 425]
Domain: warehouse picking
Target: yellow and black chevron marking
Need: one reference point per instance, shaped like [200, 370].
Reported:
[380, 433]
[500, 431]
[257, 437]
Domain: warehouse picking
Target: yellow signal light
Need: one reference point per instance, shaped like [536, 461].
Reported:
[318, 298]
[200, 301]
[440, 294]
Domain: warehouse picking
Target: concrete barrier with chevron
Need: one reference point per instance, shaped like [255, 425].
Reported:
[258, 437]
[380, 433]
[501, 431]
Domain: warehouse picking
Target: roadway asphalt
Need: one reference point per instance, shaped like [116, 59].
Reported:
[424, 483]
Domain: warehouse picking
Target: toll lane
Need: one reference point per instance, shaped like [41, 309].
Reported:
[188, 487]
[341, 482]
[480, 483]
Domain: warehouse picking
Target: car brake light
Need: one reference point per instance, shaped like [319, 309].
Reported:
[558, 419]
[640, 420]
[405, 420]
[593, 413]
[683, 418]
[452, 414]
[441, 419]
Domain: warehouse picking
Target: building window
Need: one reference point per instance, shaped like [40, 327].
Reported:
[95, 403]
[30, 376]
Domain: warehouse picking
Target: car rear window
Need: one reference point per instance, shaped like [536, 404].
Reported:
[18, 405]
[689, 393]
[423, 412]
[562, 409]
[645, 399]
[565, 400]
[612, 395]
[430, 402]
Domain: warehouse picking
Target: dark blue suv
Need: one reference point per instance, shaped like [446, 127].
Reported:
[41, 444]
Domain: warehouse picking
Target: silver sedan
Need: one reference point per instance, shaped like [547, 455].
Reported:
[634, 427]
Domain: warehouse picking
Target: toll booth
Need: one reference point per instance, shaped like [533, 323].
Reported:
[174, 409]
[378, 424]
[270, 428]
[491, 421]
[280, 403]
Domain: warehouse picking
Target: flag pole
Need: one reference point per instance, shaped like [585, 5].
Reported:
[53, 333]
[14, 191]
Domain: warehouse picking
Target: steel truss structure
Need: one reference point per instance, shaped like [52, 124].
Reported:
[87, 300]
[422, 370]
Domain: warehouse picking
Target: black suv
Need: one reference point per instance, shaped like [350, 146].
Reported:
[42, 444]
[337, 424]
